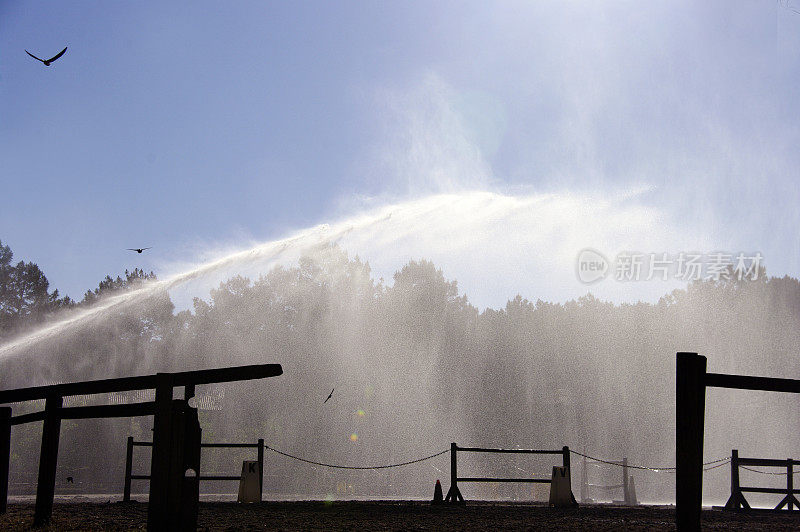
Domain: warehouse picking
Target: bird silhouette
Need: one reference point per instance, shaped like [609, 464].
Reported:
[70, 481]
[48, 61]
[329, 396]
[138, 250]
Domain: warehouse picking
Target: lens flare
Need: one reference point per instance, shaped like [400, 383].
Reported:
[354, 437]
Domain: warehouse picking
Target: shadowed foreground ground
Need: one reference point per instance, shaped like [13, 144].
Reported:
[383, 515]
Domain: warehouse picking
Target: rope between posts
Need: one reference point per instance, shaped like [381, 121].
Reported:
[719, 462]
[355, 467]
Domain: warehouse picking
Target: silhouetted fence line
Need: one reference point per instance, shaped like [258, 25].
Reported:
[627, 485]
[129, 476]
[691, 382]
[334, 466]
[175, 462]
[454, 494]
[737, 500]
[671, 469]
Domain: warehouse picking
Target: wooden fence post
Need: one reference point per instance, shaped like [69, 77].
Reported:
[454, 494]
[261, 469]
[584, 480]
[126, 493]
[5, 455]
[625, 488]
[690, 388]
[158, 511]
[48, 460]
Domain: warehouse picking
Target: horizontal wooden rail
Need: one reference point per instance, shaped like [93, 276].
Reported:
[767, 462]
[767, 490]
[202, 477]
[144, 382]
[129, 476]
[454, 493]
[27, 418]
[747, 382]
[206, 445]
[106, 411]
[489, 479]
[523, 451]
[230, 445]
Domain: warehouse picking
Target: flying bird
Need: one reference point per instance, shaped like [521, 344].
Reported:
[138, 250]
[48, 61]
[329, 396]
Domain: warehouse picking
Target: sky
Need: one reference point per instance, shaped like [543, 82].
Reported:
[197, 127]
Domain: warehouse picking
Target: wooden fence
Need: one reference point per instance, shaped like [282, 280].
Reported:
[737, 500]
[176, 435]
[129, 476]
[454, 494]
[690, 403]
[628, 490]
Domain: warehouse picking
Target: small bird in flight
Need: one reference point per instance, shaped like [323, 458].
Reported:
[48, 61]
[329, 396]
[138, 250]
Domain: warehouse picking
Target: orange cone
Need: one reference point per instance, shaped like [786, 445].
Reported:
[437, 493]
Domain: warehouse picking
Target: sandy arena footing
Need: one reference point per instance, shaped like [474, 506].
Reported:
[394, 515]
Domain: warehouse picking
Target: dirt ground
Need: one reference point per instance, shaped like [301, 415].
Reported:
[394, 515]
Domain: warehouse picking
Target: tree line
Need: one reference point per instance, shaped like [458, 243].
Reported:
[26, 300]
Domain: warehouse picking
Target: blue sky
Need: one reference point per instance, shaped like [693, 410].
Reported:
[190, 126]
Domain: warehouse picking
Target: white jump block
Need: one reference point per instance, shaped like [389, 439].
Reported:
[561, 488]
[632, 493]
[250, 482]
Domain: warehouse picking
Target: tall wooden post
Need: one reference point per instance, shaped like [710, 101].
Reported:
[626, 494]
[184, 483]
[48, 460]
[790, 484]
[261, 469]
[584, 480]
[126, 492]
[158, 510]
[5, 455]
[690, 397]
[454, 494]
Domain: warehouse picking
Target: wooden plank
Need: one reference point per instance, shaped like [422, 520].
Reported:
[690, 395]
[107, 411]
[522, 451]
[230, 445]
[144, 382]
[767, 462]
[5, 455]
[489, 479]
[747, 382]
[260, 468]
[236, 373]
[212, 445]
[767, 490]
[48, 461]
[27, 418]
[126, 492]
[158, 510]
